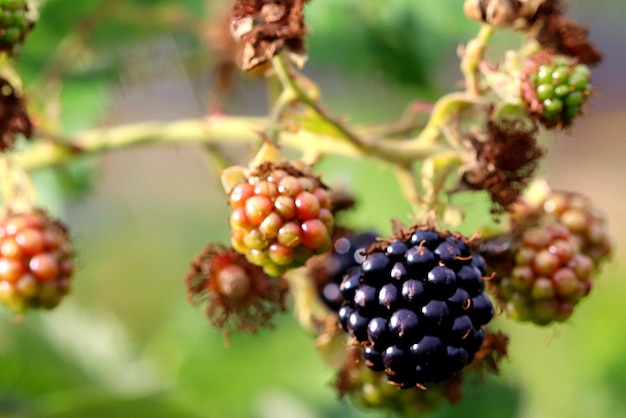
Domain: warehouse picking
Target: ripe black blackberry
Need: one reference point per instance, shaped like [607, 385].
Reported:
[417, 306]
[345, 254]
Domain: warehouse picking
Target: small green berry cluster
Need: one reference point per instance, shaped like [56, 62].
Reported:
[15, 23]
[280, 217]
[558, 90]
[36, 260]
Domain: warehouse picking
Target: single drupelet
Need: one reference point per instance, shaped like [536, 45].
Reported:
[281, 216]
[36, 260]
[417, 306]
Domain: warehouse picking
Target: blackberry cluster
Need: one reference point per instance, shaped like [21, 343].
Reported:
[557, 90]
[345, 254]
[545, 278]
[15, 23]
[281, 216]
[36, 260]
[417, 306]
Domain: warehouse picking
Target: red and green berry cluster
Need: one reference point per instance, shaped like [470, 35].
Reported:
[557, 90]
[417, 306]
[281, 216]
[14, 23]
[547, 277]
[585, 222]
[554, 250]
[36, 260]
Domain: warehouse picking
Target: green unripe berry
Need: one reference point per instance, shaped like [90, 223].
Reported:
[574, 100]
[560, 76]
[545, 91]
[561, 90]
[553, 107]
[11, 35]
[544, 75]
[542, 289]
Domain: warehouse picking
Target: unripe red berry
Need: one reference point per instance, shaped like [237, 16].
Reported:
[542, 276]
[36, 260]
[281, 216]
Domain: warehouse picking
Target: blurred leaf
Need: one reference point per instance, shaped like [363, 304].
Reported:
[400, 40]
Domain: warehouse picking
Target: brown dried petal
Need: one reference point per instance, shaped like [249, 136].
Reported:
[13, 116]
[266, 28]
[505, 162]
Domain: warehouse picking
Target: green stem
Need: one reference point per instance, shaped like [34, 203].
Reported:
[289, 83]
[223, 130]
[210, 130]
[472, 56]
[409, 186]
[285, 98]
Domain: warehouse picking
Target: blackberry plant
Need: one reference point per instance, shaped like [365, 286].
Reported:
[405, 323]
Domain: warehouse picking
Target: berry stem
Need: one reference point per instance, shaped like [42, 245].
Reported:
[290, 84]
[409, 186]
[472, 56]
[16, 188]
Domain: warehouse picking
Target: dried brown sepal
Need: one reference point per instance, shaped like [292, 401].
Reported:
[267, 27]
[238, 295]
[544, 20]
[491, 353]
[13, 116]
[505, 162]
[292, 168]
[404, 234]
[568, 37]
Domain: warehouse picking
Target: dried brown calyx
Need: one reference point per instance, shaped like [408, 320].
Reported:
[237, 294]
[544, 20]
[267, 27]
[568, 37]
[13, 116]
[505, 161]
[553, 29]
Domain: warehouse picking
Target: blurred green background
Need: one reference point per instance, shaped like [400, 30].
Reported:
[127, 344]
